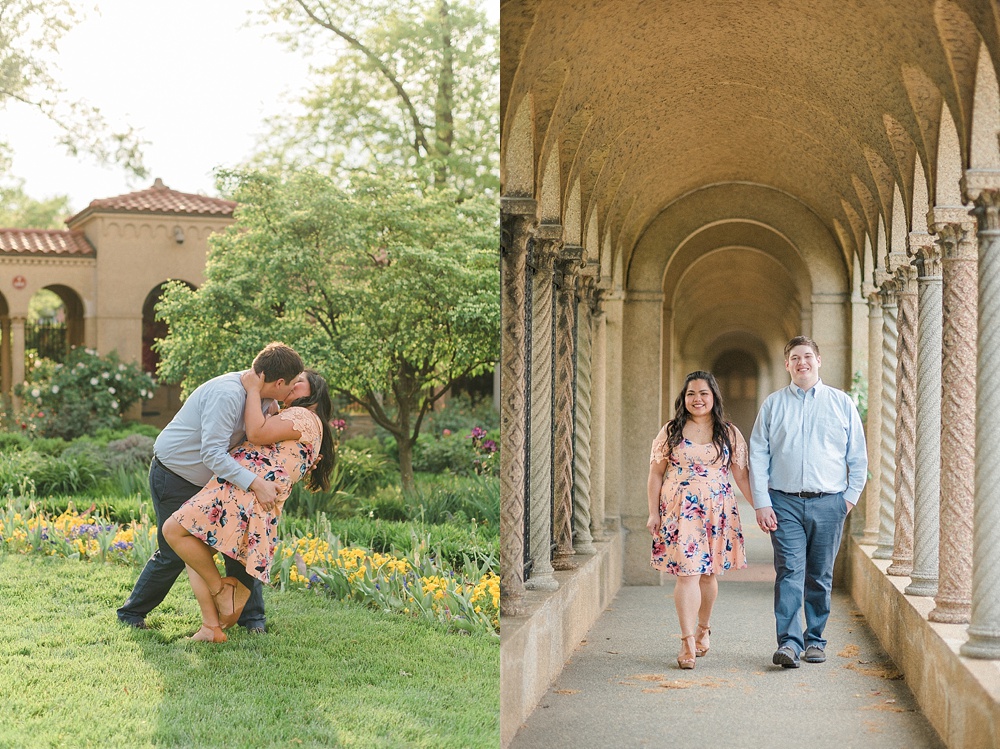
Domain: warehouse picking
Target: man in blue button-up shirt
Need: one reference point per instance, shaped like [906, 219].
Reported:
[808, 465]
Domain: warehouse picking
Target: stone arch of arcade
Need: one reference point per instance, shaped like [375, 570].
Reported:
[666, 212]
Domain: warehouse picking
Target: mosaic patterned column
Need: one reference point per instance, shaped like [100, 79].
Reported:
[583, 542]
[906, 421]
[984, 627]
[516, 217]
[927, 485]
[598, 401]
[887, 439]
[544, 251]
[873, 425]
[562, 465]
[958, 424]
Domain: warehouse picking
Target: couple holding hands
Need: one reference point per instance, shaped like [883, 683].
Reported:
[804, 471]
[221, 471]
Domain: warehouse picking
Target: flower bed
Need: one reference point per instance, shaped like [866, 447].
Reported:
[414, 584]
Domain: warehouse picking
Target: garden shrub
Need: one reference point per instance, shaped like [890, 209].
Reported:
[14, 442]
[131, 453]
[451, 453]
[15, 472]
[443, 499]
[387, 503]
[86, 393]
[364, 472]
[72, 474]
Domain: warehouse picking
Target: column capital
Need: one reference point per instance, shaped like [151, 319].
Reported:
[906, 279]
[569, 263]
[926, 255]
[978, 184]
[518, 206]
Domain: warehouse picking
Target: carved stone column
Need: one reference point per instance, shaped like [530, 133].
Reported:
[562, 465]
[583, 542]
[516, 217]
[544, 251]
[927, 484]
[887, 440]
[17, 351]
[958, 423]
[873, 425]
[984, 627]
[906, 421]
[6, 384]
[598, 418]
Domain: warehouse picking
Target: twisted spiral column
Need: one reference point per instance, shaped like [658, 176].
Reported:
[873, 425]
[887, 439]
[906, 422]
[562, 462]
[583, 542]
[958, 424]
[598, 418]
[927, 485]
[544, 251]
[516, 218]
[984, 627]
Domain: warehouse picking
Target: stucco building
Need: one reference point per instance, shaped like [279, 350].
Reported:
[689, 185]
[108, 267]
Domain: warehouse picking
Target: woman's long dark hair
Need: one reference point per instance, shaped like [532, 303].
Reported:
[720, 428]
[319, 396]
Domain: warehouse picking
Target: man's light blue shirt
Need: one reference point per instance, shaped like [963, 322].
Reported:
[196, 443]
[808, 441]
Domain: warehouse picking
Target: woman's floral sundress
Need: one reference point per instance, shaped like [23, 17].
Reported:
[700, 531]
[226, 517]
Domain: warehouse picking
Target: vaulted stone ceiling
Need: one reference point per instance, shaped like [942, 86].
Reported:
[640, 107]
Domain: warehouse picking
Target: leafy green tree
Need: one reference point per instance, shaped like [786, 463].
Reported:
[412, 83]
[19, 210]
[389, 288]
[30, 31]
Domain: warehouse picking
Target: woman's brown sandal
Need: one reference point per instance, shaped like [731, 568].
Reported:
[703, 632]
[230, 600]
[686, 663]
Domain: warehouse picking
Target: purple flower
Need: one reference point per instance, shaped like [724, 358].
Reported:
[477, 433]
[490, 446]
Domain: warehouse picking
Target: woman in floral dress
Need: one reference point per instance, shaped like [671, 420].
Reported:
[693, 515]
[284, 448]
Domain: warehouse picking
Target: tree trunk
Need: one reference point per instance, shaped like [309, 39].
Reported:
[444, 119]
[406, 466]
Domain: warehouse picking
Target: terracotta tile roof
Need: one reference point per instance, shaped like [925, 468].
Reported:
[158, 199]
[44, 242]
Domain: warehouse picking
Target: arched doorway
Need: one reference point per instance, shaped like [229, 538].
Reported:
[166, 399]
[738, 376]
[54, 323]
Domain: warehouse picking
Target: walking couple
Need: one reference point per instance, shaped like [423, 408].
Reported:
[804, 472]
[221, 471]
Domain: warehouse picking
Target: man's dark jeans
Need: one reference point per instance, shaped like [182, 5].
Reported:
[169, 492]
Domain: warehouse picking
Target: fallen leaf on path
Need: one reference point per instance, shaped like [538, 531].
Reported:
[567, 691]
[881, 670]
[850, 651]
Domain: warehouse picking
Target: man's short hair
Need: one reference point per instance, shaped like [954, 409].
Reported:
[278, 362]
[801, 340]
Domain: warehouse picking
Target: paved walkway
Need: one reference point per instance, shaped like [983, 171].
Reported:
[622, 687]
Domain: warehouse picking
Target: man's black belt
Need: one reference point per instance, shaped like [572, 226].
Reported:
[805, 495]
[158, 462]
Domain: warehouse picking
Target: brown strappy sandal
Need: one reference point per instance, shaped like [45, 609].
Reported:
[686, 663]
[230, 600]
[702, 628]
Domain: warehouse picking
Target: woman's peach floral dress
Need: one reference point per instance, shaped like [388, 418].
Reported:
[700, 531]
[225, 516]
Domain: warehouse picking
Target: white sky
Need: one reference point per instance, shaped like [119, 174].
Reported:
[192, 76]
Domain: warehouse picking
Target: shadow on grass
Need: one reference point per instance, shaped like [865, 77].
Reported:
[325, 674]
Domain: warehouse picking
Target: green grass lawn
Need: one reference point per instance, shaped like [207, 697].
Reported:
[327, 674]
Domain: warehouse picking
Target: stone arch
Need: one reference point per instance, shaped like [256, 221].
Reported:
[961, 41]
[984, 151]
[166, 399]
[921, 204]
[572, 217]
[949, 163]
[738, 373]
[53, 339]
[517, 172]
[549, 194]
